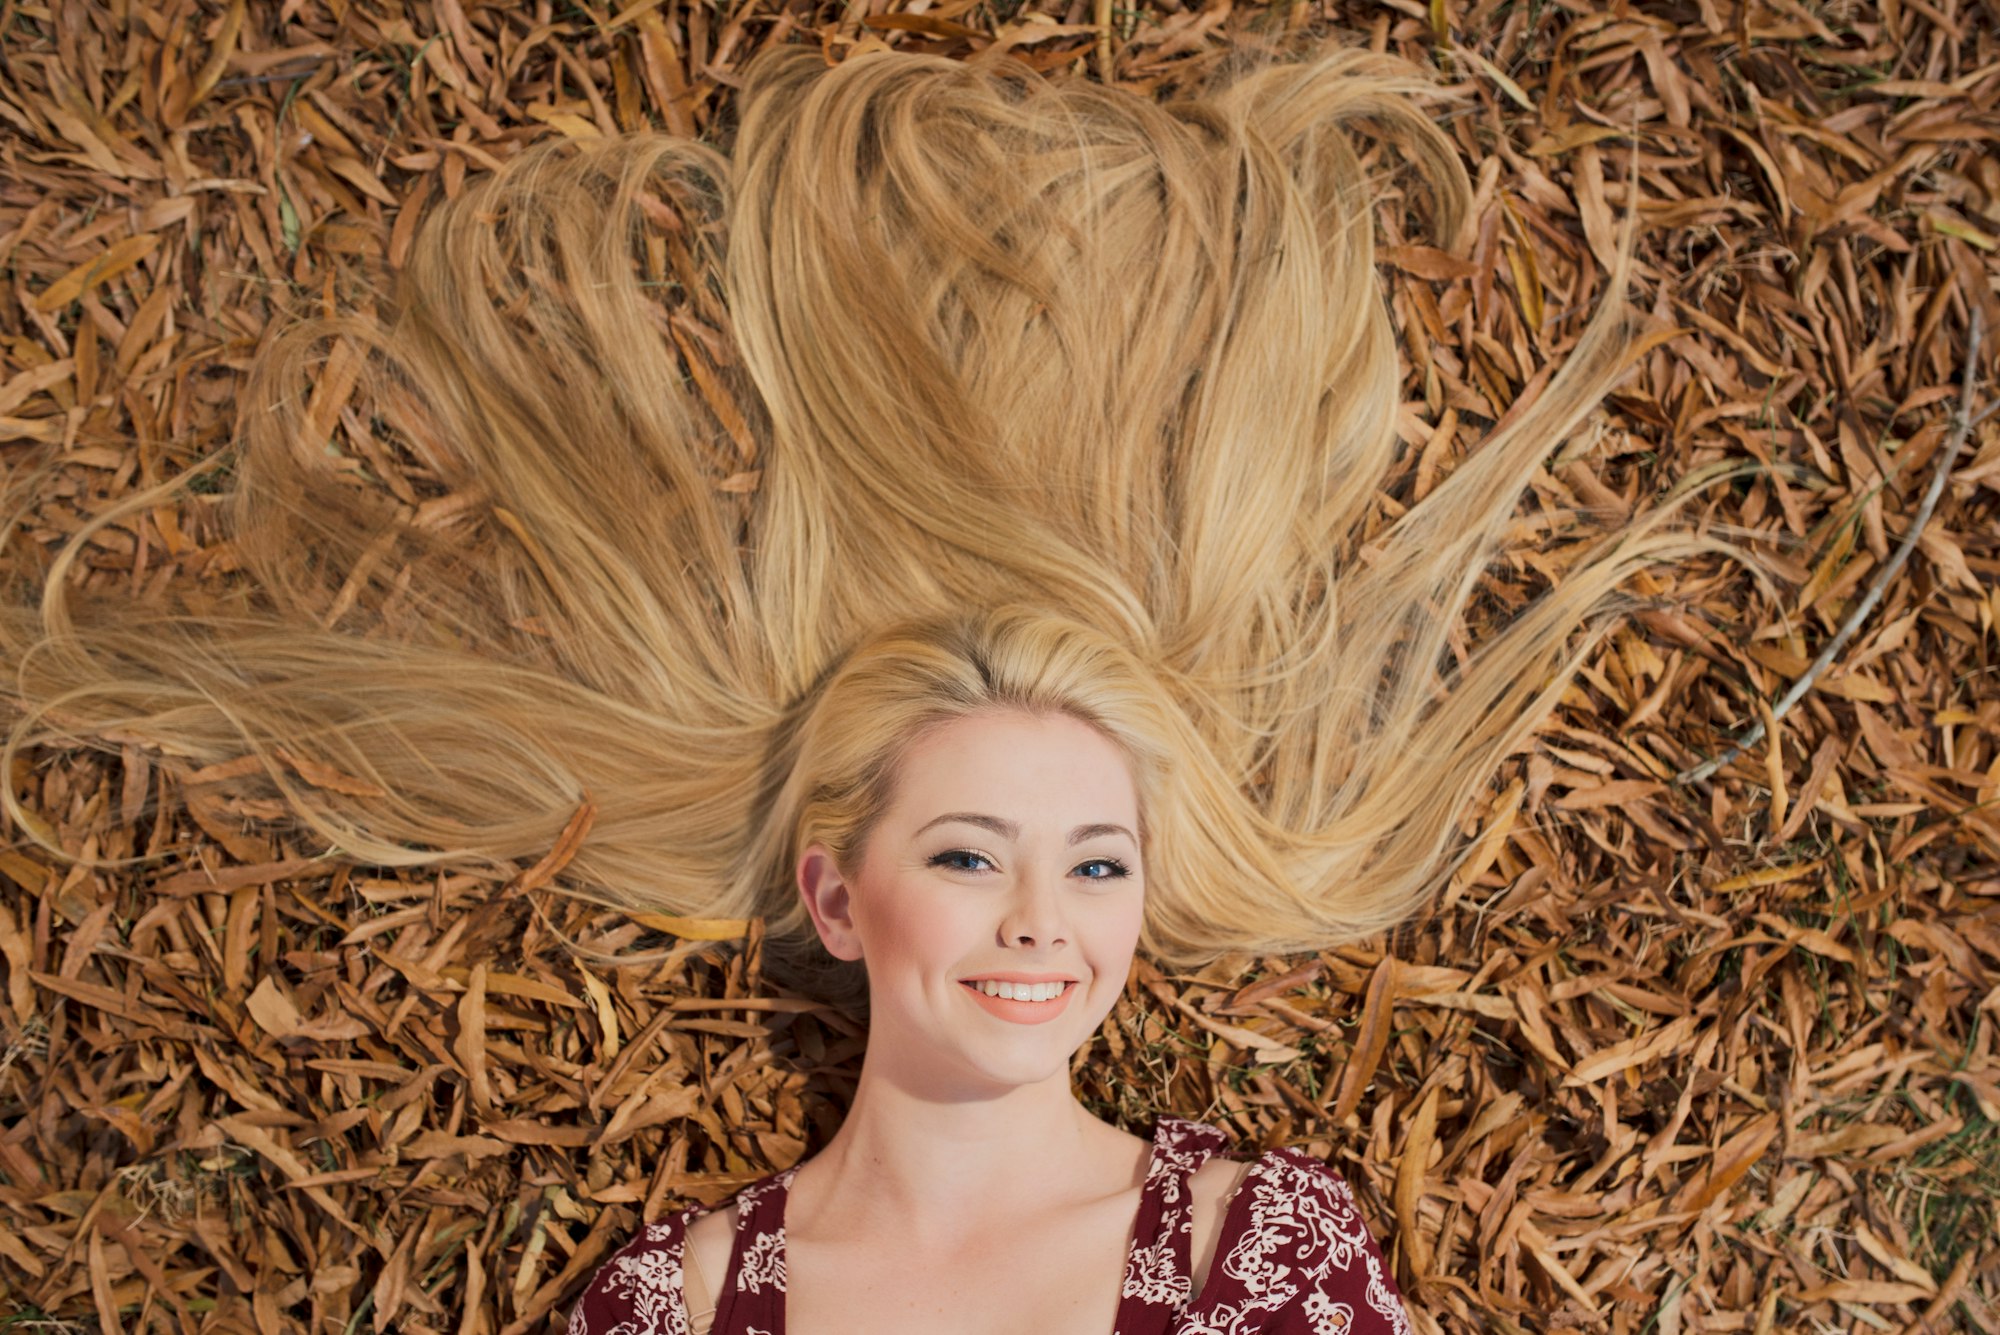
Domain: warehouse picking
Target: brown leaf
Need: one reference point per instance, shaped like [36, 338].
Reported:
[1371, 1040]
[1410, 1170]
[97, 270]
[1735, 1158]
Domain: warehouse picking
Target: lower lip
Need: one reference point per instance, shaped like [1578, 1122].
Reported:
[1023, 1012]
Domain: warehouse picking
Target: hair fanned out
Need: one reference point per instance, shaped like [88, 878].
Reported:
[959, 336]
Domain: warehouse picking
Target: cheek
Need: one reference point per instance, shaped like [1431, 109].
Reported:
[1115, 927]
[918, 927]
[1134, 928]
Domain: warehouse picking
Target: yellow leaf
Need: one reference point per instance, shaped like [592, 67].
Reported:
[1865, 1291]
[1829, 566]
[1495, 73]
[1410, 1179]
[515, 985]
[1730, 1162]
[1583, 132]
[1962, 230]
[695, 929]
[571, 124]
[1768, 876]
[1645, 343]
[607, 1015]
[274, 1012]
[98, 269]
[1506, 808]
[1857, 686]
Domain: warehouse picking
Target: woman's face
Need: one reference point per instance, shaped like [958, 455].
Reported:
[1009, 852]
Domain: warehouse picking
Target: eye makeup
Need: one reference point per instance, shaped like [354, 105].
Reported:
[1119, 870]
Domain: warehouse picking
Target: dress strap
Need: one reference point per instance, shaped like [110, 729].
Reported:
[752, 1296]
[1159, 1270]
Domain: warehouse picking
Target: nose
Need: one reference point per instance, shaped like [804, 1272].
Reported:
[1034, 915]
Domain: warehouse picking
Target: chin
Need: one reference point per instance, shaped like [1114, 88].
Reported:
[1024, 1071]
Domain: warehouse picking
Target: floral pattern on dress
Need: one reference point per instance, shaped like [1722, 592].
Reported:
[1180, 1147]
[763, 1263]
[1154, 1277]
[1153, 1271]
[1299, 1252]
[638, 1290]
[763, 1250]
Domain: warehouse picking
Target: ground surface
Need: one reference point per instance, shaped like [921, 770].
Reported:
[1716, 1055]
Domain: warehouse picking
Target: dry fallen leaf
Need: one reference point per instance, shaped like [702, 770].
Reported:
[1715, 1055]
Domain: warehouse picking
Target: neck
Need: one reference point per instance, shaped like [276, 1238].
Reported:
[918, 1154]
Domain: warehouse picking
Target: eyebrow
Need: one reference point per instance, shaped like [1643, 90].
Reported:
[1013, 831]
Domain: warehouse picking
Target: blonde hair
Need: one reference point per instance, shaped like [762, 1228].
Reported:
[1000, 390]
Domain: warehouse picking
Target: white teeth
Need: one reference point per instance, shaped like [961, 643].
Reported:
[1020, 991]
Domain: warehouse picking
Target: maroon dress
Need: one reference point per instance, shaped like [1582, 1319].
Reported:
[1293, 1258]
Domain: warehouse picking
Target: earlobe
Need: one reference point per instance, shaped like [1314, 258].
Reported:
[828, 899]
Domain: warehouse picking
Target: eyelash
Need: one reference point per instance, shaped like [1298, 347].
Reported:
[942, 858]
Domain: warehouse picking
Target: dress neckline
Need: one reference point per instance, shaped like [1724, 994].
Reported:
[1158, 1257]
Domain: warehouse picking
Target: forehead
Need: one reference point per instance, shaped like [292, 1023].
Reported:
[1011, 763]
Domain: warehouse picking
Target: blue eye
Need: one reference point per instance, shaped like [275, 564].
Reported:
[947, 859]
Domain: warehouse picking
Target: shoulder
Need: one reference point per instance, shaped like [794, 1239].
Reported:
[1304, 1247]
[637, 1290]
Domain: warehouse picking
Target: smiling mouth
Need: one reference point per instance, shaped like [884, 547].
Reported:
[969, 986]
[1028, 992]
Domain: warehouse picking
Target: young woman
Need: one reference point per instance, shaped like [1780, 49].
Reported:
[1092, 393]
[986, 783]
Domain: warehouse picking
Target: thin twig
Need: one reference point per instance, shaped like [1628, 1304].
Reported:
[1961, 427]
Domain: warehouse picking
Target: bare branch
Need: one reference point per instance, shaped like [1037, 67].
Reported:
[1962, 420]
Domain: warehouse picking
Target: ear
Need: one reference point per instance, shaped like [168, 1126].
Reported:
[829, 900]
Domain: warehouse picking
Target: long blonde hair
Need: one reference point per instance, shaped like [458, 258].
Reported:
[998, 389]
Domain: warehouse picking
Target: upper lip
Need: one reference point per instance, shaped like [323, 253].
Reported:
[1011, 976]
